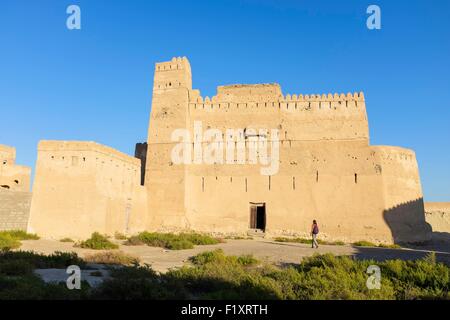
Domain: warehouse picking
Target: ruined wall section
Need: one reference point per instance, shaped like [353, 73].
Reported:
[437, 214]
[83, 187]
[15, 196]
[12, 176]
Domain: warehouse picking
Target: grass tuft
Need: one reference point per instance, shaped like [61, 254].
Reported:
[309, 241]
[98, 241]
[11, 239]
[112, 257]
[119, 236]
[172, 241]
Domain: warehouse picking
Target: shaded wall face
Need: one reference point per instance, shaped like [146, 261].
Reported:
[76, 193]
[404, 209]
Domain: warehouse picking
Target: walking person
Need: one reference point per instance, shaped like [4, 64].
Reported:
[314, 233]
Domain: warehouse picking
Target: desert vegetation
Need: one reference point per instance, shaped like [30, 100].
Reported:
[11, 239]
[172, 241]
[214, 275]
[97, 241]
[361, 243]
[308, 241]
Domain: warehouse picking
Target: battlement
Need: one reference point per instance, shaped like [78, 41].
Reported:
[269, 97]
[177, 63]
[172, 74]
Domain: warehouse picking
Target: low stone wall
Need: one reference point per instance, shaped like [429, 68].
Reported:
[437, 214]
[14, 210]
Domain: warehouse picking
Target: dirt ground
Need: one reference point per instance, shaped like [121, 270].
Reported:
[279, 253]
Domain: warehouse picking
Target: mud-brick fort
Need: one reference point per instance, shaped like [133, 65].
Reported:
[327, 170]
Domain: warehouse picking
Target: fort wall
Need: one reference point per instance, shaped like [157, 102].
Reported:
[327, 169]
[82, 187]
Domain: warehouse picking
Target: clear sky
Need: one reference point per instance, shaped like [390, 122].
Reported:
[95, 83]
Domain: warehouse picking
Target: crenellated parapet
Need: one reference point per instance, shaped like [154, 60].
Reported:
[275, 101]
[172, 74]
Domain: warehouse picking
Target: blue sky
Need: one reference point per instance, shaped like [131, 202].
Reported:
[95, 83]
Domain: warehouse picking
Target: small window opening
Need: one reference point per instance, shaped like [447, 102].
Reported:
[356, 178]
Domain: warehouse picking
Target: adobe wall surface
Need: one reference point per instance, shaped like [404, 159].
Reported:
[12, 176]
[14, 209]
[82, 187]
[438, 216]
[327, 169]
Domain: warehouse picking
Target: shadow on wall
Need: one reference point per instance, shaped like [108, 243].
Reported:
[409, 227]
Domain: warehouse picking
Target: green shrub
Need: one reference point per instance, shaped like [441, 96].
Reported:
[112, 257]
[119, 236]
[7, 242]
[390, 246]
[20, 235]
[179, 244]
[247, 260]
[16, 267]
[309, 241]
[40, 261]
[98, 242]
[171, 241]
[134, 241]
[66, 240]
[218, 257]
[364, 243]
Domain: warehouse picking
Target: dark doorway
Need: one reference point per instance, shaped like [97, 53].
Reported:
[258, 216]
